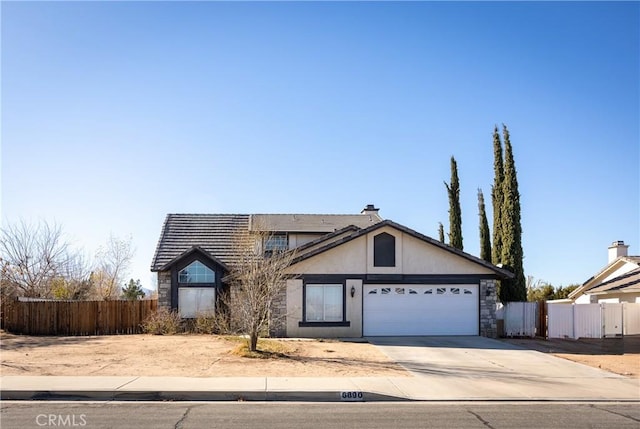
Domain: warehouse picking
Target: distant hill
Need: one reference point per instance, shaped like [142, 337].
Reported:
[148, 292]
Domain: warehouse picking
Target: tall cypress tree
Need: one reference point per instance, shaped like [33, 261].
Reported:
[441, 232]
[485, 239]
[512, 255]
[496, 197]
[455, 214]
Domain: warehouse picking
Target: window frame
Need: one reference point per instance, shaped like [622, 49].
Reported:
[268, 246]
[384, 250]
[322, 323]
[196, 284]
[194, 289]
[185, 262]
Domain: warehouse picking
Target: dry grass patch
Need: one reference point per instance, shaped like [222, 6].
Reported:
[267, 349]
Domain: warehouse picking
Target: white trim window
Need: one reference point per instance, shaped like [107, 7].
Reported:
[324, 303]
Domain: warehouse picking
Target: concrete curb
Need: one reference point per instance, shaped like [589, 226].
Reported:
[228, 396]
[233, 396]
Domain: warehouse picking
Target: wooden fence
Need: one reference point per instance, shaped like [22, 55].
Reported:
[76, 317]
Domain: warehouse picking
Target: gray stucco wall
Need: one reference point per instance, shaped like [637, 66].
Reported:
[488, 323]
[164, 289]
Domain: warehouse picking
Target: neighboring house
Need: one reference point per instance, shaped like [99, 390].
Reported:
[619, 281]
[353, 275]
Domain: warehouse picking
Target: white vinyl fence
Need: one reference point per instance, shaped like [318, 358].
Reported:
[593, 320]
[519, 319]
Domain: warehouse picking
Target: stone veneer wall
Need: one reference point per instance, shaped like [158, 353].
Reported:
[164, 289]
[278, 321]
[488, 323]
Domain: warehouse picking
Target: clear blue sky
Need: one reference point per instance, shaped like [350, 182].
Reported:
[115, 114]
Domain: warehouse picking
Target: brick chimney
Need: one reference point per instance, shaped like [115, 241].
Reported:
[370, 209]
[616, 250]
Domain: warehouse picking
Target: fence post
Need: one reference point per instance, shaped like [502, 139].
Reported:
[622, 305]
[573, 321]
[603, 330]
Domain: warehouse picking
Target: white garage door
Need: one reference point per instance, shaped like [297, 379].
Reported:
[420, 310]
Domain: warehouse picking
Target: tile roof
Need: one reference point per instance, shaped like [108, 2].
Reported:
[629, 282]
[310, 222]
[214, 233]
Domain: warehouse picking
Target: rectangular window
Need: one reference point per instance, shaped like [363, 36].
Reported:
[324, 303]
[194, 301]
[276, 243]
[384, 250]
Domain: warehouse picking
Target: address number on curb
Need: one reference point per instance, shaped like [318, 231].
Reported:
[351, 396]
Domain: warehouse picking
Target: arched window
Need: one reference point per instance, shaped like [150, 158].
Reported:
[196, 272]
[384, 250]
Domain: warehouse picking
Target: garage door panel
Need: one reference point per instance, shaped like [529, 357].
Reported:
[420, 310]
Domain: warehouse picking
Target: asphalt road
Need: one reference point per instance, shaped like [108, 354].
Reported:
[183, 415]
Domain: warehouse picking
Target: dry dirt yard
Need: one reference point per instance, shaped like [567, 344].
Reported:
[213, 356]
[618, 355]
[187, 355]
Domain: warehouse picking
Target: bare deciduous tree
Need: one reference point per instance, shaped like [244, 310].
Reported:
[113, 261]
[74, 280]
[33, 255]
[256, 279]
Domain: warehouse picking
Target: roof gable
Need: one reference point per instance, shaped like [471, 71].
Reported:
[611, 272]
[629, 282]
[343, 237]
[191, 251]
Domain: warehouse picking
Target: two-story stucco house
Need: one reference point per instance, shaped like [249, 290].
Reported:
[353, 275]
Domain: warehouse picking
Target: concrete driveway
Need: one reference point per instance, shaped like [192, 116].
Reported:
[482, 368]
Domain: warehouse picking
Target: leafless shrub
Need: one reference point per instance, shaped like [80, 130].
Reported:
[162, 322]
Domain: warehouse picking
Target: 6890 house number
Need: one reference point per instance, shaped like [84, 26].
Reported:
[351, 396]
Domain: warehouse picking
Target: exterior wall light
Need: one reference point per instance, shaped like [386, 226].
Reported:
[353, 291]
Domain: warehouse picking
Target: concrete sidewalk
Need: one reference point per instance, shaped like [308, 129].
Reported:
[330, 389]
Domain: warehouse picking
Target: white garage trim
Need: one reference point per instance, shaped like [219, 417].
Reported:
[403, 309]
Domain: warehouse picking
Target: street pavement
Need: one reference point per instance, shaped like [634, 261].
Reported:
[328, 415]
[442, 369]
